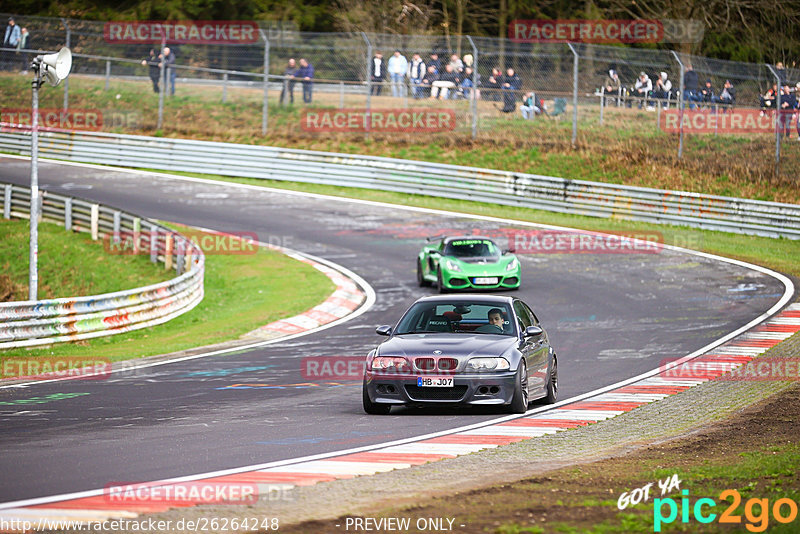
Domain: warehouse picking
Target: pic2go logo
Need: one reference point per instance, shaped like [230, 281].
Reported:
[756, 511]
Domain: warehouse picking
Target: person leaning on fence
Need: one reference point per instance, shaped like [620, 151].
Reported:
[787, 110]
[510, 84]
[416, 73]
[493, 85]
[398, 68]
[707, 92]
[530, 105]
[642, 89]
[377, 73]
[289, 81]
[449, 79]
[151, 61]
[427, 82]
[612, 87]
[691, 86]
[23, 44]
[10, 40]
[167, 57]
[662, 90]
[727, 96]
[305, 74]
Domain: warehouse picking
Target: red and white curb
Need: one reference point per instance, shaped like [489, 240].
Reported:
[93, 506]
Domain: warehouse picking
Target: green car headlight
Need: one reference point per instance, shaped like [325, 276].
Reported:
[453, 266]
[488, 364]
[513, 264]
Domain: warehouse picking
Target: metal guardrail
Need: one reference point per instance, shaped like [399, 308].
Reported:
[548, 193]
[30, 323]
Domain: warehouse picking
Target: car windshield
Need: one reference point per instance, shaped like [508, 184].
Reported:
[460, 316]
[471, 248]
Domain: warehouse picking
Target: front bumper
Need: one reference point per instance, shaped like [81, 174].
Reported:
[460, 280]
[468, 389]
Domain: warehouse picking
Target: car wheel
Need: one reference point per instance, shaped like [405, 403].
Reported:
[439, 282]
[519, 402]
[420, 279]
[373, 408]
[552, 383]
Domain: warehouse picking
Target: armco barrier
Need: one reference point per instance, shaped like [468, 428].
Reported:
[580, 197]
[30, 323]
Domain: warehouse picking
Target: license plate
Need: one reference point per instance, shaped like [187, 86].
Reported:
[485, 281]
[435, 381]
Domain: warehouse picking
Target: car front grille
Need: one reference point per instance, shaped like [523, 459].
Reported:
[453, 394]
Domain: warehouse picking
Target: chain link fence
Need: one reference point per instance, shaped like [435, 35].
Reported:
[563, 93]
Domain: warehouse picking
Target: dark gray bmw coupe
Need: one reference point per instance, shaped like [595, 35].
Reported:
[462, 350]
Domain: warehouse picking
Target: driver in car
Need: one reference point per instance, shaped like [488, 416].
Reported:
[496, 322]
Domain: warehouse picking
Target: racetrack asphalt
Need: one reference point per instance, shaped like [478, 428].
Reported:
[609, 317]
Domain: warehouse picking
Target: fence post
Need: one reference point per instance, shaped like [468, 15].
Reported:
[116, 238]
[681, 105]
[68, 214]
[7, 202]
[778, 121]
[153, 243]
[94, 223]
[108, 73]
[602, 103]
[161, 90]
[369, 84]
[264, 107]
[574, 93]
[474, 91]
[341, 95]
[66, 80]
[224, 87]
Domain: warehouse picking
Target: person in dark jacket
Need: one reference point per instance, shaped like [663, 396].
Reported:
[305, 74]
[448, 80]
[707, 92]
[153, 70]
[377, 73]
[727, 96]
[767, 101]
[427, 81]
[167, 57]
[510, 84]
[288, 85]
[691, 86]
[787, 110]
[493, 85]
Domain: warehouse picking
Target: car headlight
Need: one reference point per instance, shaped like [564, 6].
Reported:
[488, 364]
[390, 364]
[513, 264]
[453, 266]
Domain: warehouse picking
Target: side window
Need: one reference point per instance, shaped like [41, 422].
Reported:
[522, 315]
[534, 319]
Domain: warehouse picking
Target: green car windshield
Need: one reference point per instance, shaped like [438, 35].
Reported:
[471, 248]
[456, 316]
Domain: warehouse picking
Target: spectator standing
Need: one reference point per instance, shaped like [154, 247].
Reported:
[167, 58]
[23, 44]
[787, 111]
[289, 81]
[377, 73]
[151, 61]
[780, 70]
[449, 79]
[417, 73]
[662, 89]
[510, 84]
[612, 86]
[398, 67]
[10, 40]
[493, 85]
[642, 89]
[305, 74]
[691, 86]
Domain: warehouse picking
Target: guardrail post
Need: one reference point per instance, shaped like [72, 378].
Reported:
[108, 74]
[681, 105]
[7, 202]
[574, 93]
[137, 234]
[224, 87]
[95, 221]
[68, 214]
[778, 121]
[153, 244]
[116, 238]
[66, 80]
[168, 246]
[180, 255]
[264, 107]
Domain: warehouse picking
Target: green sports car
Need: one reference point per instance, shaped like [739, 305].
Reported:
[467, 262]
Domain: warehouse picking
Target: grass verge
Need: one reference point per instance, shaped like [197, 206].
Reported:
[242, 292]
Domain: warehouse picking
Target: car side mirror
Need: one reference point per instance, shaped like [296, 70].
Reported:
[533, 331]
[384, 330]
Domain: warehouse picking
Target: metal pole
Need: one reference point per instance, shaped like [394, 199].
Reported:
[264, 106]
[681, 105]
[108, 73]
[224, 87]
[602, 102]
[162, 71]
[777, 121]
[474, 91]
[574, 94]
[33, 258]
[341, 95]
[66, 81]
[367, 116]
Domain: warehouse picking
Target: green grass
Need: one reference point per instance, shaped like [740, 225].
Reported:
[242, 292]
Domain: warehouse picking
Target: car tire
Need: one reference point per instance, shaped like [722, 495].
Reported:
[420, 279]
[439, 282]
[373, 408]
[519, 402]
[552, 383]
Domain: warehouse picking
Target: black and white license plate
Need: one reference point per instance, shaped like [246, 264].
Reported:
[435, 381]
[485, 281]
